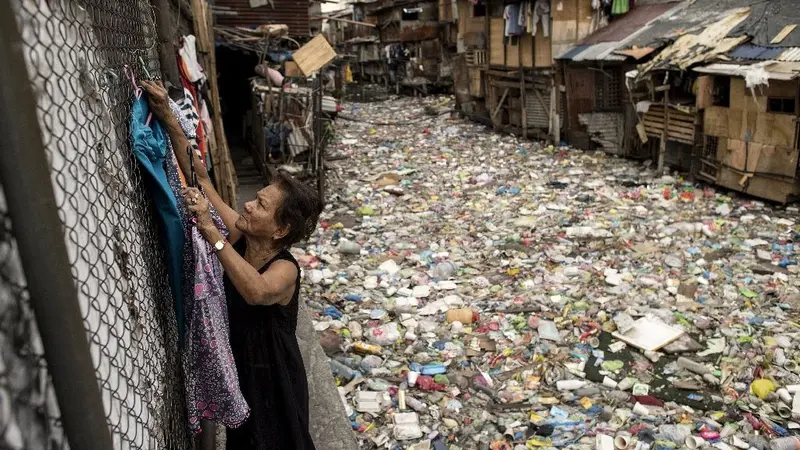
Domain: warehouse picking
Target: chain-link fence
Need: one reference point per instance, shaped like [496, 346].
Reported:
[76, 52]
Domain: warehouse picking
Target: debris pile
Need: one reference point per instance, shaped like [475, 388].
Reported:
[476, 291]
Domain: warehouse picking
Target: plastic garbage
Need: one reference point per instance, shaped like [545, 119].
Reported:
[496, 271]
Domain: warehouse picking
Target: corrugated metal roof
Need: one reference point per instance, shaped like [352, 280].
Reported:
[290, 12]
[569, 54]
[599, 52]
[600, 45]
[791, 54]
[775, 71]
[628, 24]
[755, 52]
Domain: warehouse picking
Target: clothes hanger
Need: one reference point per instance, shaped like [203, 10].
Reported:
[137, 90]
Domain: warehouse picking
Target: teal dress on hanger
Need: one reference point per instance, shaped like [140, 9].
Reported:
[149, 145]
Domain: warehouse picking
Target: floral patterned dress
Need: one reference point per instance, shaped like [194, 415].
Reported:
[212, 385]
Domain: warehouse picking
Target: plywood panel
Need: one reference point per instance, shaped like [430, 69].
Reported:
[313, 55]
[496, 47]
[565, 9]
[476, 83]
[512, 53]
[475, 25]
[704, 95]
[564, 31]
[759, 186]
[737, 93]
[526, 42]
[542, 50]
[754, 104]
[774, 129]
[715, 122]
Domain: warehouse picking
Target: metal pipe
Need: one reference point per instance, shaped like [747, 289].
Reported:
[25, 175]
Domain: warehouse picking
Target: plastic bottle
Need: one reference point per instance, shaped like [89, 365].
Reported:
[433, 369]
[415, 404]
[570, 385]
[693, 366]
[340, 370]
[376, 384]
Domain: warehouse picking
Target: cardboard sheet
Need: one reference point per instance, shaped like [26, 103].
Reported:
[314, 55]
[649, 335]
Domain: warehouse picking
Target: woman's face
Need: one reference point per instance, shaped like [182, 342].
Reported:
[259, 216]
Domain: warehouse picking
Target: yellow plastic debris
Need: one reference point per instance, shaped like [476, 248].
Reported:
[762, 387]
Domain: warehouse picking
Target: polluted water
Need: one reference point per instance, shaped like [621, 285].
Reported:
[475, 290]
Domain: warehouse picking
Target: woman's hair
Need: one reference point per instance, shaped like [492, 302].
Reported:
[299, 210]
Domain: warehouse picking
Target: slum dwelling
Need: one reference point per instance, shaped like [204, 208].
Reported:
[506, 55]
[599, 110]
[399, 45]
[726, 123]
[273, 75]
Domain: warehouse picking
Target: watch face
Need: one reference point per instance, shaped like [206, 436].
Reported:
[219, 245]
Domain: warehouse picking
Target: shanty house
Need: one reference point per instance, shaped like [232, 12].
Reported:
[723, 93]
[508, 49]
[599, 109]
[751, 104]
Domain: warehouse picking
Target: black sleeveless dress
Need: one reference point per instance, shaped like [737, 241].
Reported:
[271, 372]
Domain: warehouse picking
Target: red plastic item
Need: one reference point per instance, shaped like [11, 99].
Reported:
[426, 383]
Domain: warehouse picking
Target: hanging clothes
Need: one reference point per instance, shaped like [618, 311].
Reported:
[511, 16]
[541, 12]
[188, 53]
[189, 112]
[149, 146]
[212, 379]
[620, 7]
[212, 383]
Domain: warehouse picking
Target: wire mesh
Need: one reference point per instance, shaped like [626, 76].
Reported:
[76, 53]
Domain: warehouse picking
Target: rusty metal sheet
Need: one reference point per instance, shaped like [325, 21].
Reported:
[628, 24]
[289, 12]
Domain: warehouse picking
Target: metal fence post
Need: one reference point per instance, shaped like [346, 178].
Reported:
[25, 174]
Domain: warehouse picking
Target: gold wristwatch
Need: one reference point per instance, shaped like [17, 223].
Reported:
[219, 245]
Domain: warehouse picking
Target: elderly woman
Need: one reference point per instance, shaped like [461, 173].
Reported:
[262, 284]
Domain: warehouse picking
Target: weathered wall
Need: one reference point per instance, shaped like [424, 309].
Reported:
[748, 138]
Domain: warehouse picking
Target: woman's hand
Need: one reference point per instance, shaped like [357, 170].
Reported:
[197, 203]
[158, 98]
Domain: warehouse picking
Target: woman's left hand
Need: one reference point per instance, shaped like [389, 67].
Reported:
[198, 205]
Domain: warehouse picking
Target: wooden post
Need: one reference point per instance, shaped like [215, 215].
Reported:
[662, 151]
[166, 39]
[523, 97]
[227, 179]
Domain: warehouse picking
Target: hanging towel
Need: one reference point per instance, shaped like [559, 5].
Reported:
[188, 53]
[620, 7]
[149, 146]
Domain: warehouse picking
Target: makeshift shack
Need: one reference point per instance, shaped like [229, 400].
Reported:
[600, 111]
[509, 48]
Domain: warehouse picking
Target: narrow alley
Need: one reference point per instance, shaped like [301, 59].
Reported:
[490, 291]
